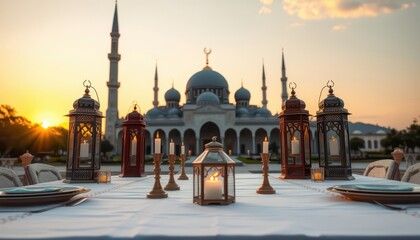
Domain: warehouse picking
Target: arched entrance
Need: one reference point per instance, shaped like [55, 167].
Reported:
[230, 142]
[274, 143]
[207, 131]
[190, 142]
[175, 136]
[260, 134]
[245, 141]
[147, 143]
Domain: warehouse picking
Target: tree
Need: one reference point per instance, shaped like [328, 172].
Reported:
[106, 147]
[392, 140]
[356, 144]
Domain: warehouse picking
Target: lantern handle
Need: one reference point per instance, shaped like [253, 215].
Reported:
[330, 85]
[88, 84]
[135, 106]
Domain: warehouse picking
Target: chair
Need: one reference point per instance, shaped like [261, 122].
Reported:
[412, 175]
[8, 178]
[387, 169]
[40, 172]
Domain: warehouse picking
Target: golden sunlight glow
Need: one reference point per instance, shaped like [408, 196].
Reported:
[45, 124]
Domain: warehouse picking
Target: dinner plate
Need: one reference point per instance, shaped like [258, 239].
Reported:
[36, 198]
[381, 196]
[378, 188]
[28, 190]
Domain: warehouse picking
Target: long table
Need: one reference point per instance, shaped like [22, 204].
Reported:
[300, 209]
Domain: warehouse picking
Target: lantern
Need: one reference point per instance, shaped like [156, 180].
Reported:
[213, 176]
[295, 138]
[84, 141]
[333, 137]
[132, 163]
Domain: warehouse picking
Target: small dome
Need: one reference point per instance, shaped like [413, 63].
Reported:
[263, 112]
[242, 112]
[380, 132]
[357, 132]
[174, 112]
[172, 95]
[208, 98]
[242, 94]
[207, 78]
[154, 113]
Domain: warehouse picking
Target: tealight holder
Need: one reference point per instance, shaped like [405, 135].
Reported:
[317, 174]
[103, 176]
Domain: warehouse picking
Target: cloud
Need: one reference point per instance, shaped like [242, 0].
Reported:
[296, 25]
[265, 8]
[341, 27]
[320, 9]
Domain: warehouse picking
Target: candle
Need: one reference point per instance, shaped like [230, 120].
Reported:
[213, 187]
[295, 146]
[171, 147]
[84, 149]
[134, 146]
[102, 179]
[317, 176]
[333, 146]
[182, 148]
[265, 145]
[157, 143]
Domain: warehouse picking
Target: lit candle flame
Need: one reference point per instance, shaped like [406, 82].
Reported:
[214, 176]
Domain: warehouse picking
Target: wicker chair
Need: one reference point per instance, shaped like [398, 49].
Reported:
[8, 178]
[40, 172]
[387, 169]
[412, 175]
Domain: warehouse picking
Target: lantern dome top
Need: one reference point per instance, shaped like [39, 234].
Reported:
[86, 105]
[332, 104]
[134, 117]
[293, 105]
[213, 154]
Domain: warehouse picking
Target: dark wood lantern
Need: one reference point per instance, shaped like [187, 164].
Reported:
[132, 163]
[84, 141]
[295, 138]
[333, 137]
[213, 176]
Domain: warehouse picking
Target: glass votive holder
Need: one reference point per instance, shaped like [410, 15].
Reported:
[103, 176]
[317, 174]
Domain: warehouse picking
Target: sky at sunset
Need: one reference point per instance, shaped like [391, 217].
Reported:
[370, 49]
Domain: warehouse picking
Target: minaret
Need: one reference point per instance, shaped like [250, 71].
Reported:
[264, 89]
[284, 95]
[156, 89]
[113, 84]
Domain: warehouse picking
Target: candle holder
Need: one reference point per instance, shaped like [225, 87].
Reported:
[265, 187]
[103, 176]
[157, 191]
[171, 186]
[183, 176]
[317, 174]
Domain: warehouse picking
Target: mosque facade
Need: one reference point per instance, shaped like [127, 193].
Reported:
[240, 126]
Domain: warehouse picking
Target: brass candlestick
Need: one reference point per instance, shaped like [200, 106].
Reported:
[183, 176]
[265, 187]
[171, 186]
[157, 191]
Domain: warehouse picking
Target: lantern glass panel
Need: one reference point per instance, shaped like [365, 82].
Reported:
[213, 183]
[84, 142]
[307, 139]
[346, 146]
[333, 146]
[293, 148]
[231, 181]
[321, 147]
[71, 143]
[133, 149]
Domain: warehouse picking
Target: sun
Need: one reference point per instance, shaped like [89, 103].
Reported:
[45, 124]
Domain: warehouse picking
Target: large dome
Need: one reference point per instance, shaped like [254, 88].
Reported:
[207, 78]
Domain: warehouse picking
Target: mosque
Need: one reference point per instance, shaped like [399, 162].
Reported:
[241, 127]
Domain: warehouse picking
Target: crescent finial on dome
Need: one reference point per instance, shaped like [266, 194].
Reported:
[207, 52]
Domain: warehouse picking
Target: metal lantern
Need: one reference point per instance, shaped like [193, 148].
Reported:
[213, 176]
[295, 138]
[132, 163]
[333, 137]
[84, 142]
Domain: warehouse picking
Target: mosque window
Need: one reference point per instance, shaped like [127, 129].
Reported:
[375, 144]
[369, 144]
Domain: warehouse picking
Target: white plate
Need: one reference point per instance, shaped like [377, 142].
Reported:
[383, 197]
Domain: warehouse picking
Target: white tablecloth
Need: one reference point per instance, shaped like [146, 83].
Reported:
[299, 209]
